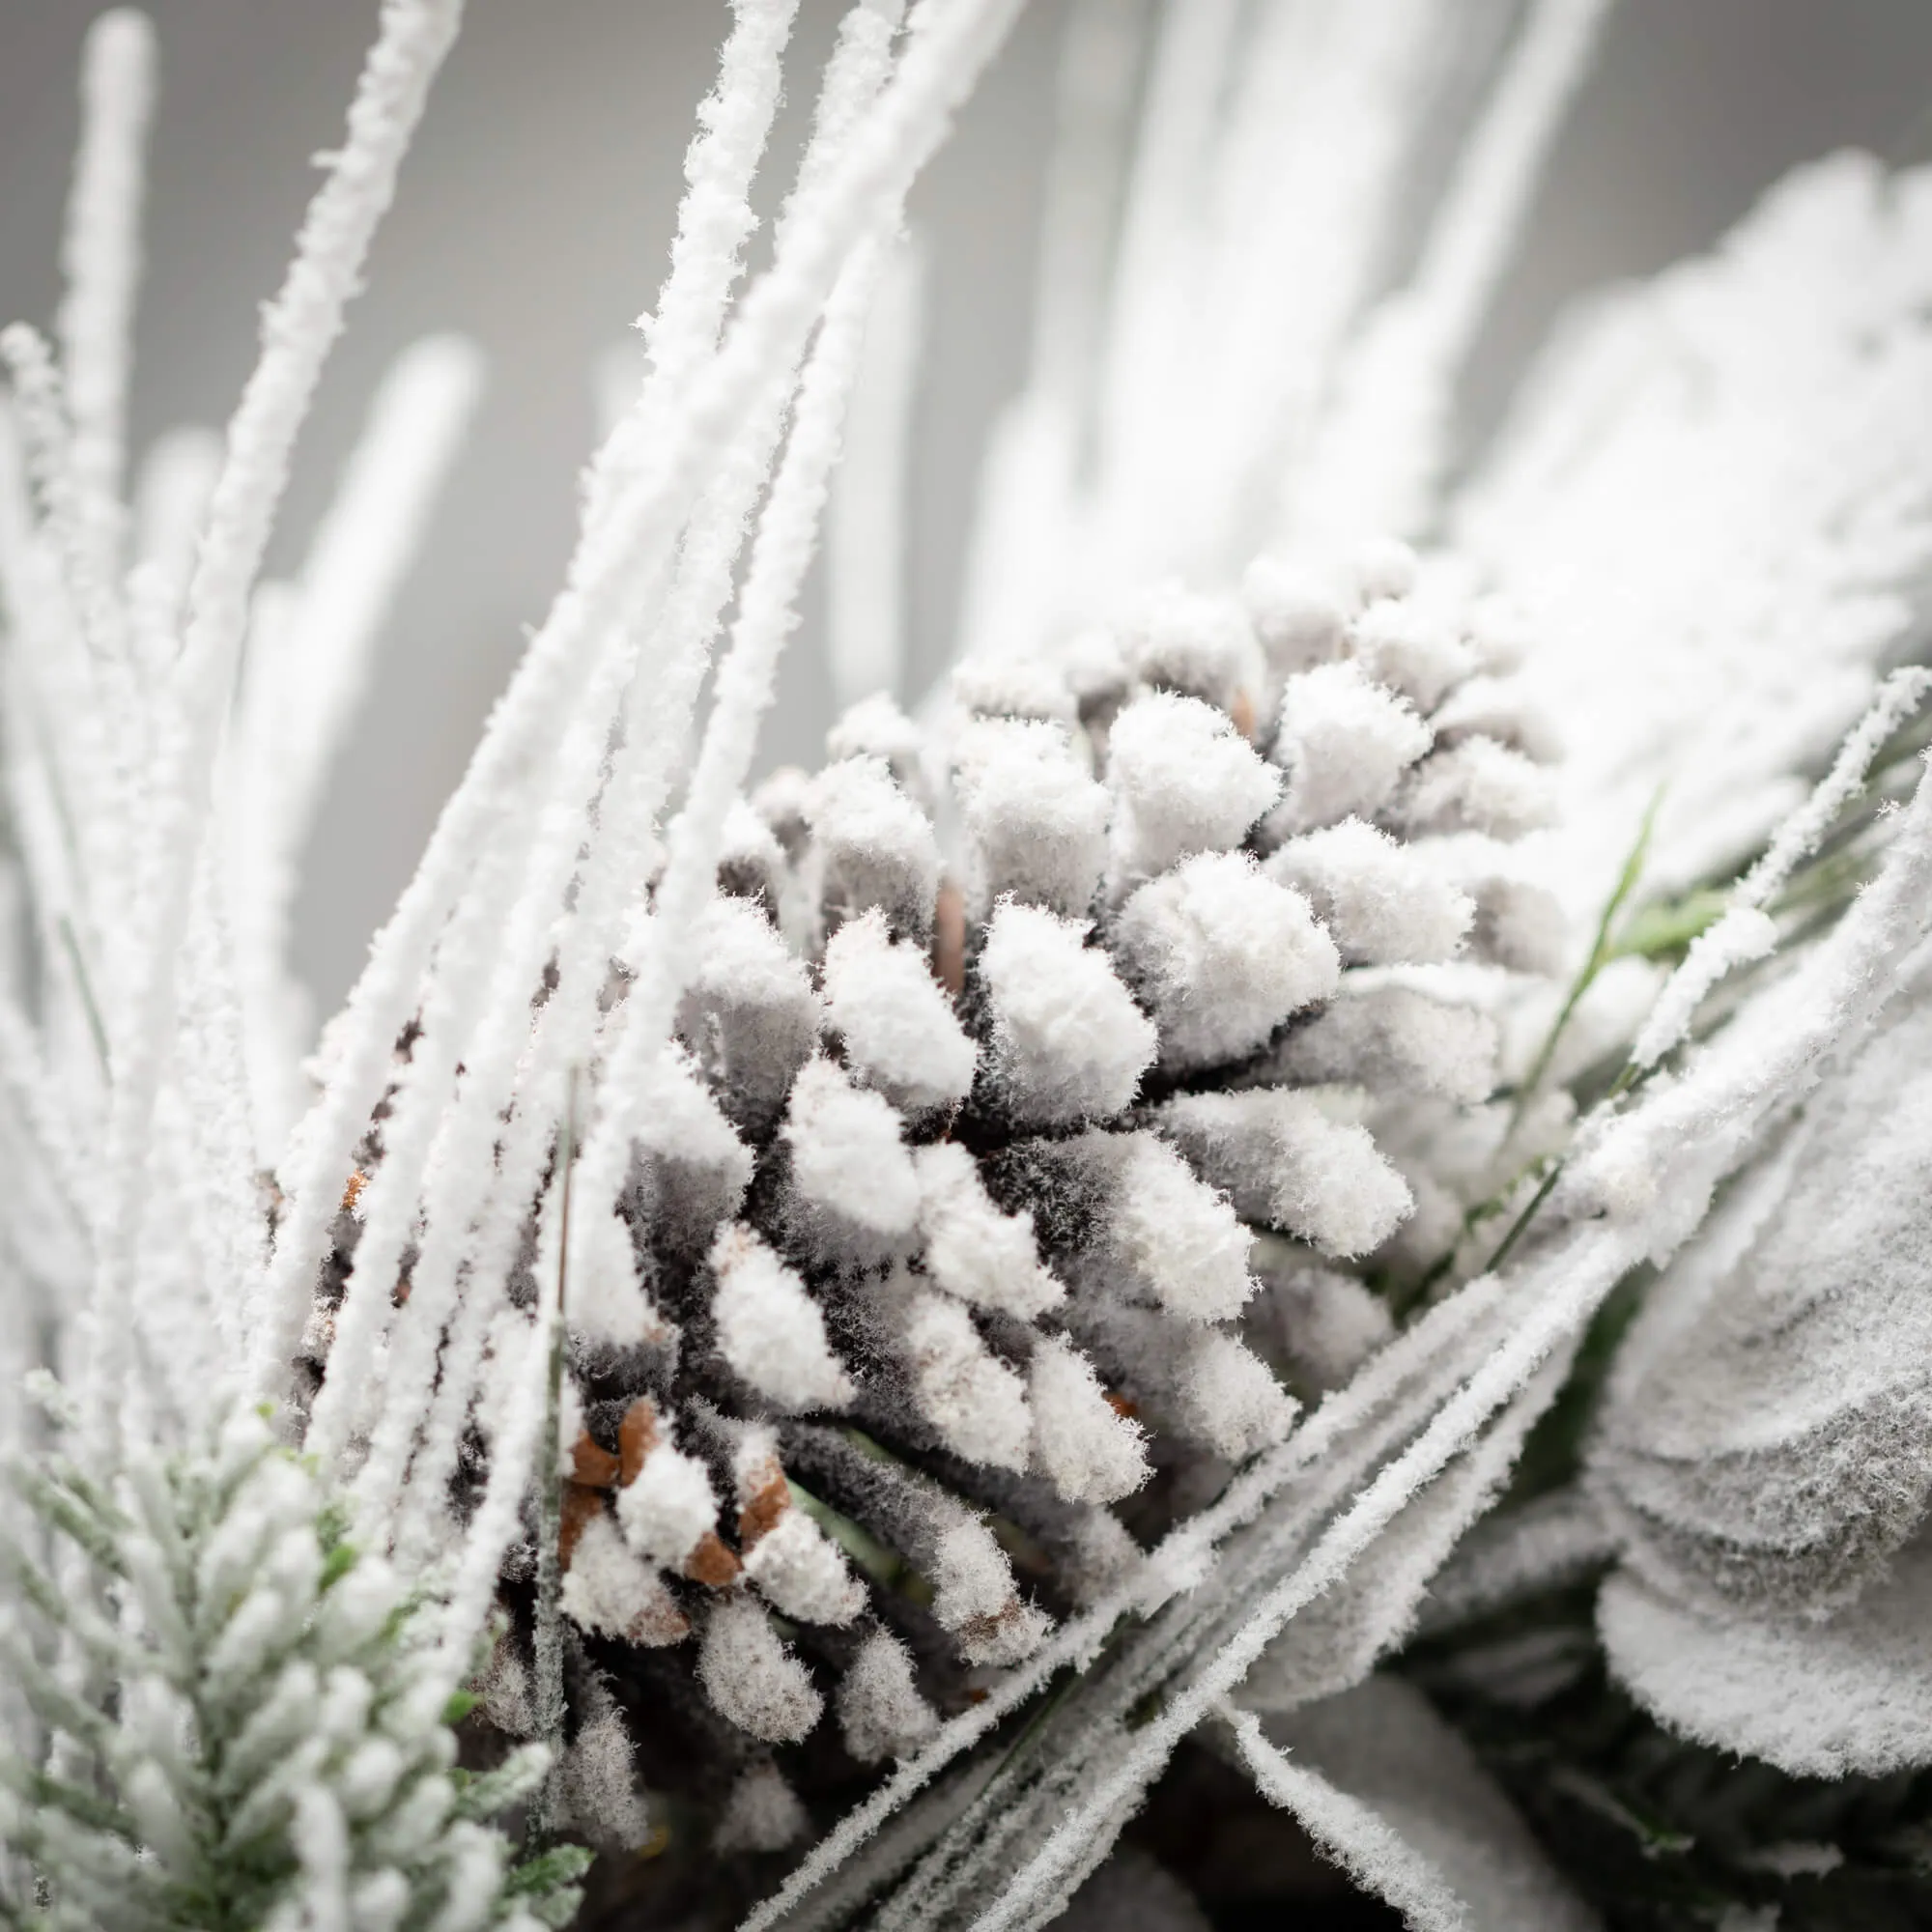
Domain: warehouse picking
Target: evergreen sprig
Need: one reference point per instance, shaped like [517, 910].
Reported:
[236, 1718]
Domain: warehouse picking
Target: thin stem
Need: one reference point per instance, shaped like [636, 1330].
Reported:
[1601, 951]
[1519, 1226]
[549, 1637]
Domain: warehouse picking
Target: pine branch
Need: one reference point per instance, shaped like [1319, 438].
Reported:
[260, 1739]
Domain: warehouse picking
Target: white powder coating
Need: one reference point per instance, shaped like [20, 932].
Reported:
[1345, 744]
[1089, 1451]
[689, 1168]
[366, 1784]
[969, 1573]
[740, 966]
[598, 1786]
[802, 1575]
[1200, 1382]
[752, 1677]
[1101, 1556]
[669, 1507]
[973, 1400]
[1010, 688]
[1331, 1322]
[1832, 1697]
[1295, 612]
[1382, 568]
[875, 844]
[610, 1590]
[1741, 935]
[1069, 1042]
[1518, 924]
[1719, 598]
[762, 1815]
[1179, 639]
[748, 1013]
[881, 1712]
[751, 860]
[1502, 709]
[1382, 903]
[876, 727]
[1184, 780]
[847, 1157]
[1095, 667]
[680, 1122]
[547, 811]
[749, 840]
[737, 955]
[1500, 632]
[607, 1299]
[1230, 1398]
[1394, 1038]
[1223, 953]
[1178, 1242]
[508, 1702]
[770, 1329]
[781, 799]
[974, 1597]
[1286, 1163]
[1764, 1449]
[974, 1250]
[1411, 650]
[503, 1338]
[1477, 785]
[898, 1027]
[1034, 818]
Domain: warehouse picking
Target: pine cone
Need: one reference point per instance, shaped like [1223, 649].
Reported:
[983, 1212]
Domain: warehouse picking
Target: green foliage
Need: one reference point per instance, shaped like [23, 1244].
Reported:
[1664, 928]
[231, 1719]
[546, 1884]
[1659, 1834]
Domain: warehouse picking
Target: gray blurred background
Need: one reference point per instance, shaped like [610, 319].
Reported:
[536, 215]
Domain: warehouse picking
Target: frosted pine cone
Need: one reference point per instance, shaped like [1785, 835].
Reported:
[974, 1203]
